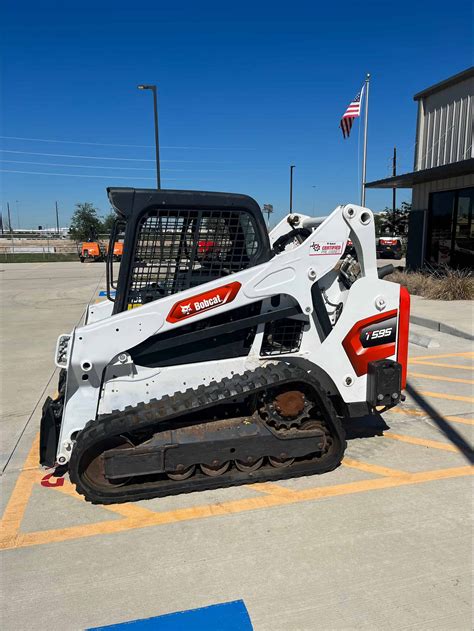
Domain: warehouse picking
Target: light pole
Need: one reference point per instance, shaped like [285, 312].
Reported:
[157, 144]
[57, 218]
[17, 212]
[291, 187]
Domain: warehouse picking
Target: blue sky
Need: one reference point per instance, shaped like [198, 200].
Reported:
[245, 90]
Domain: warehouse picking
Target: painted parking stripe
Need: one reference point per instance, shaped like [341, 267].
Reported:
[442, 365]
[414, 412]
[448, 397]
[424, 375]
[442, 356]
[232, 616]
[421, 442]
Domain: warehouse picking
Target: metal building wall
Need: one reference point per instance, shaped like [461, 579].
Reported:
[421, 192]
[445, 126]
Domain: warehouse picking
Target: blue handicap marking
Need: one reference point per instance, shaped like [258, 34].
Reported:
[104, 293]
[231, 616]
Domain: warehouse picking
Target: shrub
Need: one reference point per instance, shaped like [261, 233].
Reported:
[437, 284]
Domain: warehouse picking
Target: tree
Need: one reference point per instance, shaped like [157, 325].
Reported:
[268, 209]
[108, 223]
[85, 223]
[393, 222]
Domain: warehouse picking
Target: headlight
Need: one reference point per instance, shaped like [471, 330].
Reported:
[61, 351]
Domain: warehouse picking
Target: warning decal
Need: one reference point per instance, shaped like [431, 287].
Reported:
[326, 248]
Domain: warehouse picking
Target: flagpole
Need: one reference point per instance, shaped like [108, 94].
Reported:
[366, 124]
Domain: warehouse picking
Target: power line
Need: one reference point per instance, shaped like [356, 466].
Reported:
[108, 144]
[88, 166]
[102, 177]
[64, 155]
[76, 166]
[78, 175]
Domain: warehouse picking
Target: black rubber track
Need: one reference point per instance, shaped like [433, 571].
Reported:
[148, 415]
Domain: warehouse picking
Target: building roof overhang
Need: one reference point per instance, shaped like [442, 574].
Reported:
[408, 180]
[443, 85]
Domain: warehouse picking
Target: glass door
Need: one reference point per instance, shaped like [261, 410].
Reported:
[463, 251]
[441, 215]
[451, 228]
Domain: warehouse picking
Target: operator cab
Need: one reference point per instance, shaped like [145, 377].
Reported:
[174, 240]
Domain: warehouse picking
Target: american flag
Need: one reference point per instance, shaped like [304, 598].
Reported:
[353, 111]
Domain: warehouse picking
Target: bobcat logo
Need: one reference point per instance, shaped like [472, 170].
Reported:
[186, 309]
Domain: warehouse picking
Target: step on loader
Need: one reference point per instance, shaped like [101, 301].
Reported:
[224, 355]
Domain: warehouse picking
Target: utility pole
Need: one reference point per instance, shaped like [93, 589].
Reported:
[10, 226]
[394, 190]
[57, 217]
[9, 218]
[291, 187]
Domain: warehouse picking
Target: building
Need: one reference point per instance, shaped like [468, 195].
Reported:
[441, 226]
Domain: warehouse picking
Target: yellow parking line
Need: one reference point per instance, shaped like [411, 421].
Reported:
[413, 412]
[22, 540]
[424, 375]
[440, 365]
[448, 397]
[15, 510]
[421, 442]
[13, 514]
[273, 489]
[135, 517]
[126, 510]
[465, 354]
[373, 468]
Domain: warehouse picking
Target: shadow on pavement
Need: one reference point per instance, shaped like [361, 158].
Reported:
[448, 430]
[366, 427]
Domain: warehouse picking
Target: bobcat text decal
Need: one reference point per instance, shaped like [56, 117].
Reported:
[203, 302]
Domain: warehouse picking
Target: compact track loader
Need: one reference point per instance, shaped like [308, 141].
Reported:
[226, 355]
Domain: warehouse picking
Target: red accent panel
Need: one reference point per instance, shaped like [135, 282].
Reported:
[403, 326]
[360, 356]
[203, 302]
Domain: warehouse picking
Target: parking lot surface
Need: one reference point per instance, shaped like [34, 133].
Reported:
[383, 542]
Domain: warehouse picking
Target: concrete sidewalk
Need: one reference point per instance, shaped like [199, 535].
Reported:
[435, 314]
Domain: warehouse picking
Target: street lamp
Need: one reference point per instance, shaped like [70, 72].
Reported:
[157, 144]
[291, 187]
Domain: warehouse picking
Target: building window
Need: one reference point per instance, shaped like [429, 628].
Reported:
[451, 229]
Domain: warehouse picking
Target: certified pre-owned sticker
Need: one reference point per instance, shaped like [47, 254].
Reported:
[325, 248]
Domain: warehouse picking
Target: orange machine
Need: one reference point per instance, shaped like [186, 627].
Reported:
[118, 250]
[92, 250]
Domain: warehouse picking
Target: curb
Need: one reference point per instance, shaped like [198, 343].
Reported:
[441, 327]
[422, 340]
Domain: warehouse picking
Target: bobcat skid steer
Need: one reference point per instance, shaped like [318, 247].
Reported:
[226, 355]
